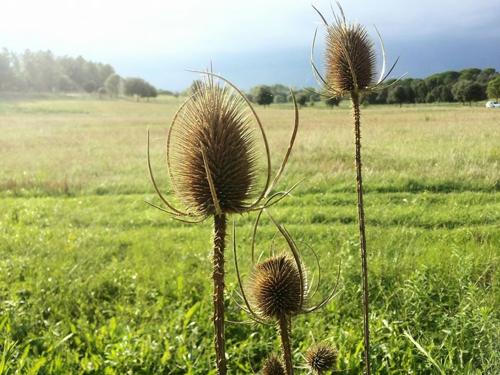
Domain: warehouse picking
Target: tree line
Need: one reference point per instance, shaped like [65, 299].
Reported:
[42, 71]
[463, 86]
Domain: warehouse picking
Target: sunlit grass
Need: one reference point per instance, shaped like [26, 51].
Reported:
[92, 280]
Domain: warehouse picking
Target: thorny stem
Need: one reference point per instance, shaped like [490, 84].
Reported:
[285, 343]
[362, 238]
[220, 224]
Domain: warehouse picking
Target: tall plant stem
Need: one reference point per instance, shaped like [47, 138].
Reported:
[220, 224]
[362, 237]
[286, 346]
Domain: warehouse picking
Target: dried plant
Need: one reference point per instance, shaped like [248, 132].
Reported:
[273, 366]
[212, 164]
[350, 70]
[321, 358]
[279, 289]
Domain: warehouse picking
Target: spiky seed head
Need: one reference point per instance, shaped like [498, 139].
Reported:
[321, 358]
[350, 58]
[273, 366]
[276, 287]
[216, 121]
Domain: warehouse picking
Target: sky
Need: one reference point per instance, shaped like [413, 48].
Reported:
[250, 42]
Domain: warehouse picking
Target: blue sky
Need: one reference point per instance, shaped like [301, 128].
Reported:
[250, 42]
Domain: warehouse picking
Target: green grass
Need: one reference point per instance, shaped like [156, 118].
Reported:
[94, 281]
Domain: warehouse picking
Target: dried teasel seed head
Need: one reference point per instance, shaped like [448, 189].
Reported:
[214, 123]
[273, 366]
[276, 287]
[350, 58]
[321, 358]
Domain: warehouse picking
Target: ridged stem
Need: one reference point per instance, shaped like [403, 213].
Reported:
[220, 224]
[286, 346]
[362, 237]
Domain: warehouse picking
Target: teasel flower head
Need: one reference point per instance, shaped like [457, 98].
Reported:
[212, 158]
[349, 58]
[273, 366]
[277, 288]
[280, 285]
[321, 358]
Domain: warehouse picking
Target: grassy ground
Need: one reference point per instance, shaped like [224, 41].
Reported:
[92, 280]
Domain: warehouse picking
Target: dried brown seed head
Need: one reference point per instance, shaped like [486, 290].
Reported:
[276, 287]
[273, 366]
[216, 123]
[350, 58]
[321, 358]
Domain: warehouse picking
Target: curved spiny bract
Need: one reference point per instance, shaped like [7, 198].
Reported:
[350, 58]
[273, 366]
[321, 358]
[214, 124]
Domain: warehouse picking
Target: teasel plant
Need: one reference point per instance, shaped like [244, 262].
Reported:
[279, 289]
[350, 71]
[321, 358]
[212, 164]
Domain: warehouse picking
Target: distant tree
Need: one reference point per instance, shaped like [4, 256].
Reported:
[101, 91]
[279, 89]
[90, 87]
[66, 84]
[370, 98]
[280, 98]
[382, 96]
[264, 95]
[302, 98]
[442, 94]
[150, 91]
[6, 72]
[397, 95]
[139, 88]
[332, 101]
[167, 93]
[466, 91]
[113, 84]
[313, 96]
[494, 88]
[420, 90]
[486, 75]
[431, 97]
[409, 92]
[470, 74]
[477, 92]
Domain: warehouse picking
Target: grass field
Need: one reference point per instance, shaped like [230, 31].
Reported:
[94, 281]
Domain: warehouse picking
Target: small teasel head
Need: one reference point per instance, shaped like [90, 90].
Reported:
[212, 153]
[273, 366]
[350, 58]
[276, 287]
[321, 358]
[280, 287]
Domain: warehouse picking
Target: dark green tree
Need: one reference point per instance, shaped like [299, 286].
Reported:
[332, 101]
[302, 98]
[466, 91]
[470, 74]
[397, 95]
[263, 95]
[494, 88]
[139, 88]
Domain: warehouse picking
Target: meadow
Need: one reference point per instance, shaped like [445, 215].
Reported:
[95, 281]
